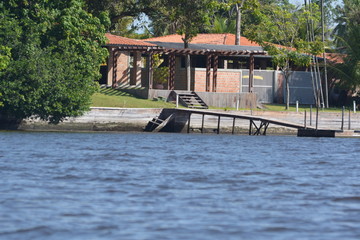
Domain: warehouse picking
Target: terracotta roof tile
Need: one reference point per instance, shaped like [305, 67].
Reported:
[204, 38]
[335, 57]
[117, 40]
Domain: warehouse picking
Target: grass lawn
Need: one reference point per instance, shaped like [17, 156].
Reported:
[302, 108]
[108, 97]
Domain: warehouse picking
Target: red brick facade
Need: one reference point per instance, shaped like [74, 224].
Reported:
[228, 81]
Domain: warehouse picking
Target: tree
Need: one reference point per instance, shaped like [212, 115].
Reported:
[55, 58]
[223, 25]
[347, 35]
[123, 13]
[191, 17]
[278, 32]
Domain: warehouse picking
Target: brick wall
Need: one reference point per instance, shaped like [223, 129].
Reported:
[123, 69]
[228, 81]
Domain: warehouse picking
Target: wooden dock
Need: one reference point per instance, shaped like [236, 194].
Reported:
[175, 120]
[257, 125]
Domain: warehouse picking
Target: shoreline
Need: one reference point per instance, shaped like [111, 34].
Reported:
[101, 119]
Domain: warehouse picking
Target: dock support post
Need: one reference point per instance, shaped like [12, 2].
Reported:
[218, 128]
[349, 120]
[202, 123]
[310, 115]
[250, 127]
[305, 120]
[188, 127]
[233, 128]
[317, 117]
[342, 118]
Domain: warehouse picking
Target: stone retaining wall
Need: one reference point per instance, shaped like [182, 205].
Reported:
[135, 119]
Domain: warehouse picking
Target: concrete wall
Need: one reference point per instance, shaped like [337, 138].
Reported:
[223, 100]
[269, 86]
[301, 88]
[263, 84]
[135, 119]
[98, 119]
[229, 100]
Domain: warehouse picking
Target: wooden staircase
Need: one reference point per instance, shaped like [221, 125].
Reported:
[157, 123]
[192, 100]
[153, 124]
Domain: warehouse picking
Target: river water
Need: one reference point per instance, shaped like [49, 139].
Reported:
[178, 186]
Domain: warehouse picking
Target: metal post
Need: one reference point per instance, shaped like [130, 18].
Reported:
[354, 105]
[297, 106]
[317, 116]
[202, 123]
[305, 119]
[218, 129]
[342, 118]
[349, 120]
[237, 104]
[310, 115]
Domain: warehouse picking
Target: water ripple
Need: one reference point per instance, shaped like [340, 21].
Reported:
[177, 186]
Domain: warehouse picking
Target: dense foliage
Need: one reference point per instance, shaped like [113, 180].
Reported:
[278, 30]
[50, 53]
[347, 35]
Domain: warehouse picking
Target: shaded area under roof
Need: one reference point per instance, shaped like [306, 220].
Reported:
[211, 47]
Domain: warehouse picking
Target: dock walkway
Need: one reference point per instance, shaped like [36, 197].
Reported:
[258, 125]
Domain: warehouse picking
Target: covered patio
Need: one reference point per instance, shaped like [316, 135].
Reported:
[131, 65]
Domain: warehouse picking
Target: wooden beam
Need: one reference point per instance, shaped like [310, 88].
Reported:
[115, 63]
[251, 73]
[150, 69]
[215, 70]
[208, 69]
[202, 123]
[233, 126]
[172, 62]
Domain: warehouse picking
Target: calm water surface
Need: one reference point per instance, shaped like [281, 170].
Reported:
[177, 186]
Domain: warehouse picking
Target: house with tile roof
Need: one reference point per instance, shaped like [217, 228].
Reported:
[218, 68]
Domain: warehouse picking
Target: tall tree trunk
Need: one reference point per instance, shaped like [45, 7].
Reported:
[238, 7]
[287, 91]
[324, 55]
[238, 24]
[287, 73]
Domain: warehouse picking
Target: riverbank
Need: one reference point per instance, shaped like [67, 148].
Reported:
[135, 119]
